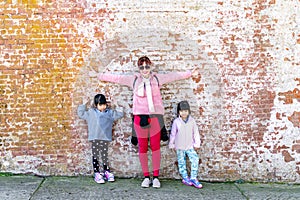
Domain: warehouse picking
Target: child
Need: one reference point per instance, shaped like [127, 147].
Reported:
[100, 120]
[185, 139]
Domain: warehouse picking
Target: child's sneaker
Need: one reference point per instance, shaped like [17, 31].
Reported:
[196, 183]
[156, 183]
[187, 181]
[146, 183]
[109, 176]
[99, 178]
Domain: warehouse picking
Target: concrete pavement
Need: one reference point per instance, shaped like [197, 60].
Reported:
[19, 187]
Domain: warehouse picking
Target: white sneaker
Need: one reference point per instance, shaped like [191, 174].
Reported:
[99, 178]
[156, 183]
[146, 183]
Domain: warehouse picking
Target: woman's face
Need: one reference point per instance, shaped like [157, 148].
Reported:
[145, 70]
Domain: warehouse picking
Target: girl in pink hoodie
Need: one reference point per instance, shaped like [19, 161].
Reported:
[147, 110]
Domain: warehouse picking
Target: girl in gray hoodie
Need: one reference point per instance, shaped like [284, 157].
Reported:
[100, 120]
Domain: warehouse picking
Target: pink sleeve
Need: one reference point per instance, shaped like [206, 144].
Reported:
[119, 79]
[173, 76]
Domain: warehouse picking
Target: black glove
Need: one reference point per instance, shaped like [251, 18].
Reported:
[134, 140]
[144, 123]
[164, 134]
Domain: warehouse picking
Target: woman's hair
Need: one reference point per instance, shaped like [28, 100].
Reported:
[144, 59]
[99, 99]
[183, 105]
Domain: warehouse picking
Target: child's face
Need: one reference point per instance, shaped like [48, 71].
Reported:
[101, 107]
[184, 113]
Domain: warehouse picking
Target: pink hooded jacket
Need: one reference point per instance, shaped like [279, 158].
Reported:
[140, 103]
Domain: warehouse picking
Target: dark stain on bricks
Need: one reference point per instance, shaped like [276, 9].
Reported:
[295, 119]
[296, 147]
[289, 96]
[287, 156]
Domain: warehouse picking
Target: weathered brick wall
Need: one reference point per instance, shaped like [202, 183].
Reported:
[247, 101]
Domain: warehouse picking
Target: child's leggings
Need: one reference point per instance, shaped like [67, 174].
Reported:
[194, 159]
[152, 132]
[99, 147]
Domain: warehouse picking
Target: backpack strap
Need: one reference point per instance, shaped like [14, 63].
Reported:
[137, 77]
[134, 81]
[156, 79]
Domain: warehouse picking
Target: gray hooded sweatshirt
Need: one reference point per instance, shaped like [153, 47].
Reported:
[99, 123]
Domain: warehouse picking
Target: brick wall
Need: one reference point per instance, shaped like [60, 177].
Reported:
[246, 103]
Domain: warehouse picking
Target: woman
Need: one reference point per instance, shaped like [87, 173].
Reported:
[147, 110]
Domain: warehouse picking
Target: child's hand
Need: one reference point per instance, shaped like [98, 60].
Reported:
[173, 150]
[171, 147]
[86, 101]
[113, 104]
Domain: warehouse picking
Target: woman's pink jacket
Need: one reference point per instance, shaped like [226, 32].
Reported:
[140, 103]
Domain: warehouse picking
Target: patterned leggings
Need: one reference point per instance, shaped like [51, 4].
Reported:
[99, 147]
[194, 159]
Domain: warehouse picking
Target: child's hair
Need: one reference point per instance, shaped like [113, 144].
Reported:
[144, 59]
[99, 99]
[183, 105]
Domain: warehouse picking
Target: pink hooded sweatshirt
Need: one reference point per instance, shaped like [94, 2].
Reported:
[140, 103]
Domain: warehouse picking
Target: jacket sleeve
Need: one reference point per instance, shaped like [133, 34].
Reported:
[173, 135]
[116, 78]
[173, 76]
[82, 112]
[196, 135]
[117, 114]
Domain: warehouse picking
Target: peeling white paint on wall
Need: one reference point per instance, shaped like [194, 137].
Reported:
[245, 52]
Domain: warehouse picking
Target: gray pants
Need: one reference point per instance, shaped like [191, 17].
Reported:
[99, 149]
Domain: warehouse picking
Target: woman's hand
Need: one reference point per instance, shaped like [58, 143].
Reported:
[93, 74]
[195, 72]
[196, 76]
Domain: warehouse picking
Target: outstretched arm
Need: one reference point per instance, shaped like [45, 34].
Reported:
[114, 78]
[174, 76]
